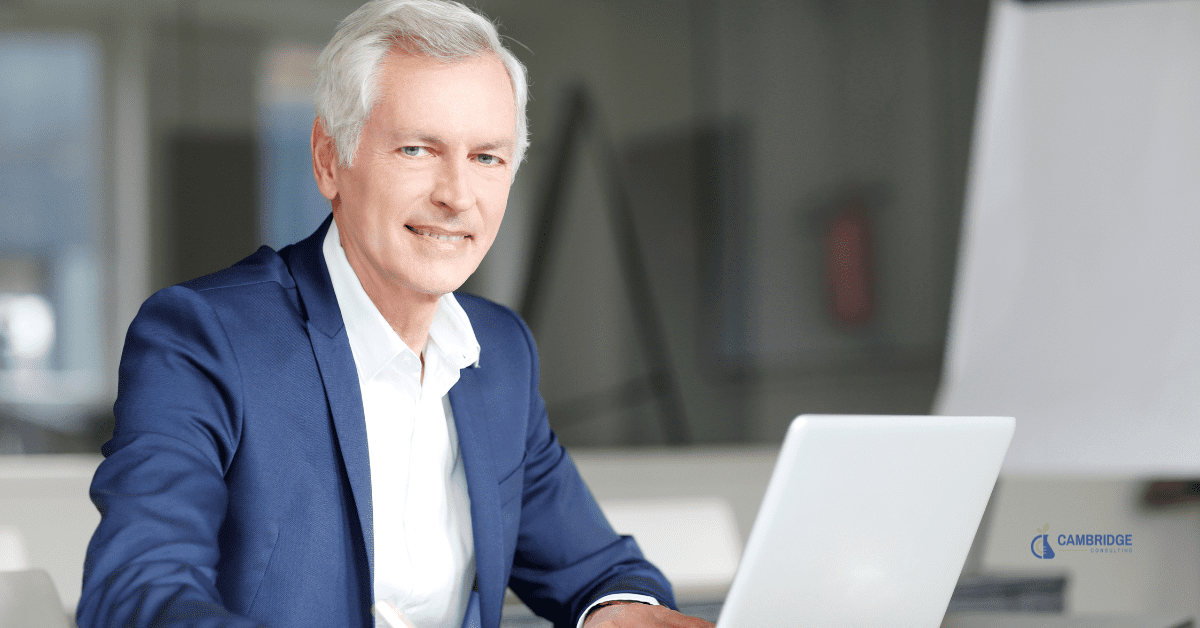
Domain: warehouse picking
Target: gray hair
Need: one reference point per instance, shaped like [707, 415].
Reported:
[439, 29]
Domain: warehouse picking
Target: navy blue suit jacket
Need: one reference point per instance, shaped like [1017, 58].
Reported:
[236, 488]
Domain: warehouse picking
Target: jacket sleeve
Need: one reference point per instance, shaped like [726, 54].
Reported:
[160, 490]
[567, 554]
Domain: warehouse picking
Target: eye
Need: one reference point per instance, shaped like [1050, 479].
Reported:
[414, 151]
[488, 160]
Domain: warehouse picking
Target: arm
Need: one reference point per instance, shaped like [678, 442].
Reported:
[161, 490]
[618, 568]
[567, 555]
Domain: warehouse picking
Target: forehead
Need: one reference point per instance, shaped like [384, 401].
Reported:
[417, 93]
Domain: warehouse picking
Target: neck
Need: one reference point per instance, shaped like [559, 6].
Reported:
[410, 318]
[410, 313]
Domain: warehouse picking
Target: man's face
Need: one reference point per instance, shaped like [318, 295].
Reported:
[423, 201]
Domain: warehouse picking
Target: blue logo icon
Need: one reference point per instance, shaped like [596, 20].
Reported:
[1040, 546]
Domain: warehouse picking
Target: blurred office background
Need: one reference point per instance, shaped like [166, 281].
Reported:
[754, 143]
[756, 206]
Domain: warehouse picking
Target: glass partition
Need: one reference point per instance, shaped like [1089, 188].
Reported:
[291, 206]
[52, 309]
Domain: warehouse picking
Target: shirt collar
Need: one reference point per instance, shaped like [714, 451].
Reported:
[372, 340]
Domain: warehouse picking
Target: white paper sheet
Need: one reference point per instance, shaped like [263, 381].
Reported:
[1077, 307]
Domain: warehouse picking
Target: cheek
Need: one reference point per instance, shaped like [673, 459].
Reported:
[496, 202]
[383, 189]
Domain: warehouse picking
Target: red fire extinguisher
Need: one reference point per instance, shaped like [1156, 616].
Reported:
[849, 265]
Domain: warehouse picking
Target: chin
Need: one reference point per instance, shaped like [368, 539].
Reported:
[439, 285]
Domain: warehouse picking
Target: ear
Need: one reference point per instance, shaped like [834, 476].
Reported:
[325, 161]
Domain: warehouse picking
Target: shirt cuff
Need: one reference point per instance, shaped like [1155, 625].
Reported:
[616, 597]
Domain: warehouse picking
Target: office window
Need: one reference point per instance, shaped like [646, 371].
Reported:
[52, 312]
[291, 207]
[51, 267]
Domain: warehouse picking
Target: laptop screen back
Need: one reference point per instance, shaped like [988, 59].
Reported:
[866, 521]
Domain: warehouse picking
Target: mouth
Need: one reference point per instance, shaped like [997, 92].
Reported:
[444, 237]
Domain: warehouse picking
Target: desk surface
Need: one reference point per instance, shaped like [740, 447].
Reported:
[517, 616]
[1049, 620]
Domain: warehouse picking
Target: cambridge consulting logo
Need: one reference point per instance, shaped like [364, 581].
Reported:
[1040, 546]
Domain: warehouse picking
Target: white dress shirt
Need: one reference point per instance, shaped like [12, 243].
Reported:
[421, 513]
[424, 551]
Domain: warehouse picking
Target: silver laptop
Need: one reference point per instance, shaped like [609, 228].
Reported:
[866, 521]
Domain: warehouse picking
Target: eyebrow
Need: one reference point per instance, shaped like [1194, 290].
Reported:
[503, 145]
[401, 136]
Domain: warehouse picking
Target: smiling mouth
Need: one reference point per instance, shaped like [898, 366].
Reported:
[440, 236]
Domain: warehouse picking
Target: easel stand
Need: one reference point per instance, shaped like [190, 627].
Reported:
[580, 124]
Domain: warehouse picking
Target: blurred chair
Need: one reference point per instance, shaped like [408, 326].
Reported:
[693, 540]
[28, 600]
[13, 556]
[47, 519]
[690, 510]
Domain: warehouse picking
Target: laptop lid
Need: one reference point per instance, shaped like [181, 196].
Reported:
[866, 521]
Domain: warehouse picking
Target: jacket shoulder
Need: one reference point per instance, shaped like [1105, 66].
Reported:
[492, 322]
[263, 266]
[256, 291]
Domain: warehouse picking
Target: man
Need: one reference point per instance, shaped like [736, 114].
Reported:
[325, 435]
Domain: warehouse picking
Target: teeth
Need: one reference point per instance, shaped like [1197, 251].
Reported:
[444, 238]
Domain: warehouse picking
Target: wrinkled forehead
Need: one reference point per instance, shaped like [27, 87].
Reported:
[399, 67]
[417, 95]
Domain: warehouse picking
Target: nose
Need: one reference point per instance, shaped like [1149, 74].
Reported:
[452, 187]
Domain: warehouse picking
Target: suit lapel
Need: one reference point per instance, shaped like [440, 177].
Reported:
[339, 375]
[470, 420]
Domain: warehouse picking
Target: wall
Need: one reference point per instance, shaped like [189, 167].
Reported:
[818, 102]
[801, 103]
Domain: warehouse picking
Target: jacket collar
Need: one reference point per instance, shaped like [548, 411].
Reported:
[307, 265]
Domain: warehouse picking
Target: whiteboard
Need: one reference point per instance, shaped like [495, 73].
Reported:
[1077, 302]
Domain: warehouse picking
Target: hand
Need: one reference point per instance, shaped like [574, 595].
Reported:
[634, 615]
